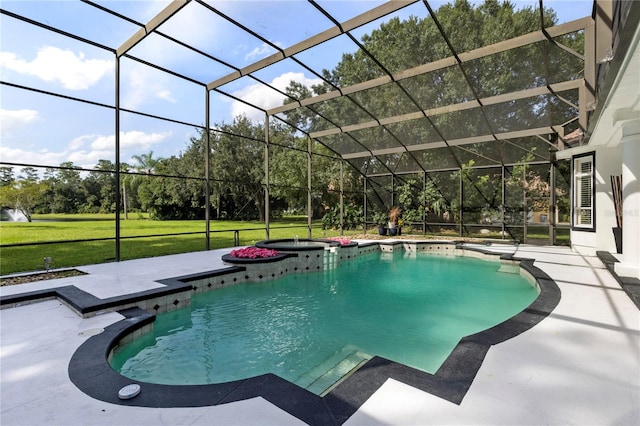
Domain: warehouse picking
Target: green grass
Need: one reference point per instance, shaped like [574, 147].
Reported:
[81, 227]
[58, 228]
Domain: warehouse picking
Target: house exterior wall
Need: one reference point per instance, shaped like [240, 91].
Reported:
[629, 266]
[614, 130]
[607, 163]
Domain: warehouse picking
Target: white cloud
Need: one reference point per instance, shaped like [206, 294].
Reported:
[264, 97]
[17, 155]
[80, 141]
[166, 95]
[144, 86]
[260, 52]
[73, 71]
[14, 119]
[88, 159]
[100, 148]
[130, 140]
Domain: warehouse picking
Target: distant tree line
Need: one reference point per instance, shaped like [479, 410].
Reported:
[174, 187]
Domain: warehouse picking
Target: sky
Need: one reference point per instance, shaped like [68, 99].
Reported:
[40, 129]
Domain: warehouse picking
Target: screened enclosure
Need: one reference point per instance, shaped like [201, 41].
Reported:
[308, 118]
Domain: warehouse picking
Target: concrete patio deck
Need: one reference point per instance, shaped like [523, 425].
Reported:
[580, 365]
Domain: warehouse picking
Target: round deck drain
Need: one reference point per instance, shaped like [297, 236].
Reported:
[129, 391]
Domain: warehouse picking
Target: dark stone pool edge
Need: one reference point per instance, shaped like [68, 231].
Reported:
[630, 285]
[90, 371]
[86, 304]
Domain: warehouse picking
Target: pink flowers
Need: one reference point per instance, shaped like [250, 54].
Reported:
[343, 241]
[253, 253]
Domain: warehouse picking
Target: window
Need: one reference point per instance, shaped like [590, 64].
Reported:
[584, 192]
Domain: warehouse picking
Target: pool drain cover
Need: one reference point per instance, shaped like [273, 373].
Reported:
[129, 391]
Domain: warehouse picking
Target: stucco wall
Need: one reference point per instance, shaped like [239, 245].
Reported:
[608, 162]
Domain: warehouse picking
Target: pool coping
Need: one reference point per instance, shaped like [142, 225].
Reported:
[90, 371]
[630, 285]
[86, 304]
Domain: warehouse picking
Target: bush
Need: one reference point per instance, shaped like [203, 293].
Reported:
[352, 216]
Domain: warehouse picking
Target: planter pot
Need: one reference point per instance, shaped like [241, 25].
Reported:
[382, 230]
[617, 236]
[393, 231]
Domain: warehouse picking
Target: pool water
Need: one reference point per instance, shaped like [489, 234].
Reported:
[312, 329]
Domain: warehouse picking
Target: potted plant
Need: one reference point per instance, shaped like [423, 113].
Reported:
[381, 219]
[394, 218]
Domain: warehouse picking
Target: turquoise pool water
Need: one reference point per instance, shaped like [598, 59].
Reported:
[311, 329]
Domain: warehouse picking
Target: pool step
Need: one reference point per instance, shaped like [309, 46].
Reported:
[326, 375]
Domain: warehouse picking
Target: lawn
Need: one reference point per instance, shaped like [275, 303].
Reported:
[57, 237]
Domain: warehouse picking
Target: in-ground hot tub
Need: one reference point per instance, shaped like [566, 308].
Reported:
[302, 244]
[295, 244]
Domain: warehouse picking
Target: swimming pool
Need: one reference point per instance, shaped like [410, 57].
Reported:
[312, 329]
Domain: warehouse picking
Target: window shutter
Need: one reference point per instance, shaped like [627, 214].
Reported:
[583, 192]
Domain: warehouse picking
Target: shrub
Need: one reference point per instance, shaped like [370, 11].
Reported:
[352, 216]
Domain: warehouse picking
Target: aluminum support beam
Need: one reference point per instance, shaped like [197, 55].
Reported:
[493, 100]
[341, 197]
[454, 142]
[117, 156]
[364, 224]
[503, 198]
[358, 21]
[266, 176]
[587, 93]
[461, 203]
[154, 23]
[309, 189]
[502, 46]
[207, 171]
[552, 199]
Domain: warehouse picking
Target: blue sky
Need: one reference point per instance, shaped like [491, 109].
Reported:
[39, 129]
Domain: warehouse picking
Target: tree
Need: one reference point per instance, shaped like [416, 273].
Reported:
[28, 174]
[237, 157]
[146, 162]
[24, 194]
[68, 194]
[128, 182]
[399, 45]
[172, 197]
[6, 176]
[99, 187]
